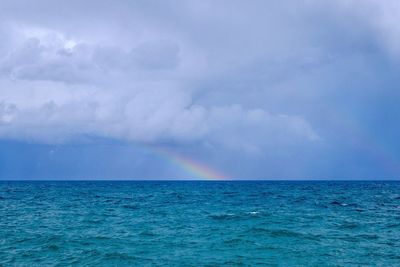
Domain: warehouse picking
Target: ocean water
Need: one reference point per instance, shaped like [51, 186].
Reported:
[199, 223]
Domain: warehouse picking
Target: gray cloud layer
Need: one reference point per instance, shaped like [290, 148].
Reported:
[55, 85]
[231, 74]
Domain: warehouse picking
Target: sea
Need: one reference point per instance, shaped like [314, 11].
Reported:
[200, 223]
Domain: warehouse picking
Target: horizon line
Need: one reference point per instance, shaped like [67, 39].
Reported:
[198, 180]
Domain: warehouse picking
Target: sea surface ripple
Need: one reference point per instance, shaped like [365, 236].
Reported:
[199, 223]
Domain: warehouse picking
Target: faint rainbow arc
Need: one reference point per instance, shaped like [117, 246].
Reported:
[189, 165]
[363, 140]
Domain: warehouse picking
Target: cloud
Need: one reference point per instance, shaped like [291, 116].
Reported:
[61, 88]
[51, 57]
[302, 78]
[57, 112]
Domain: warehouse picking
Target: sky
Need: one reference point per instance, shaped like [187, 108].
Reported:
[290, 89]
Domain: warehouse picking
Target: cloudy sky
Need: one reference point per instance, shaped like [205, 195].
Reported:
[296, 89]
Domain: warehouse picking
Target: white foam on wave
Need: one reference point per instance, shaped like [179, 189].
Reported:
[254, 212]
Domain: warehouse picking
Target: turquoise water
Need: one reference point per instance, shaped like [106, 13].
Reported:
[199, 223]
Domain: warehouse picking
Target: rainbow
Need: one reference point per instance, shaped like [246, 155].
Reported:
[190, 166]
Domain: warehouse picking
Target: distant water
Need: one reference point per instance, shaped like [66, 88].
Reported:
[199, 223]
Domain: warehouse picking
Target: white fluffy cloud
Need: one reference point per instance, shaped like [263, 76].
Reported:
[56, 112]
